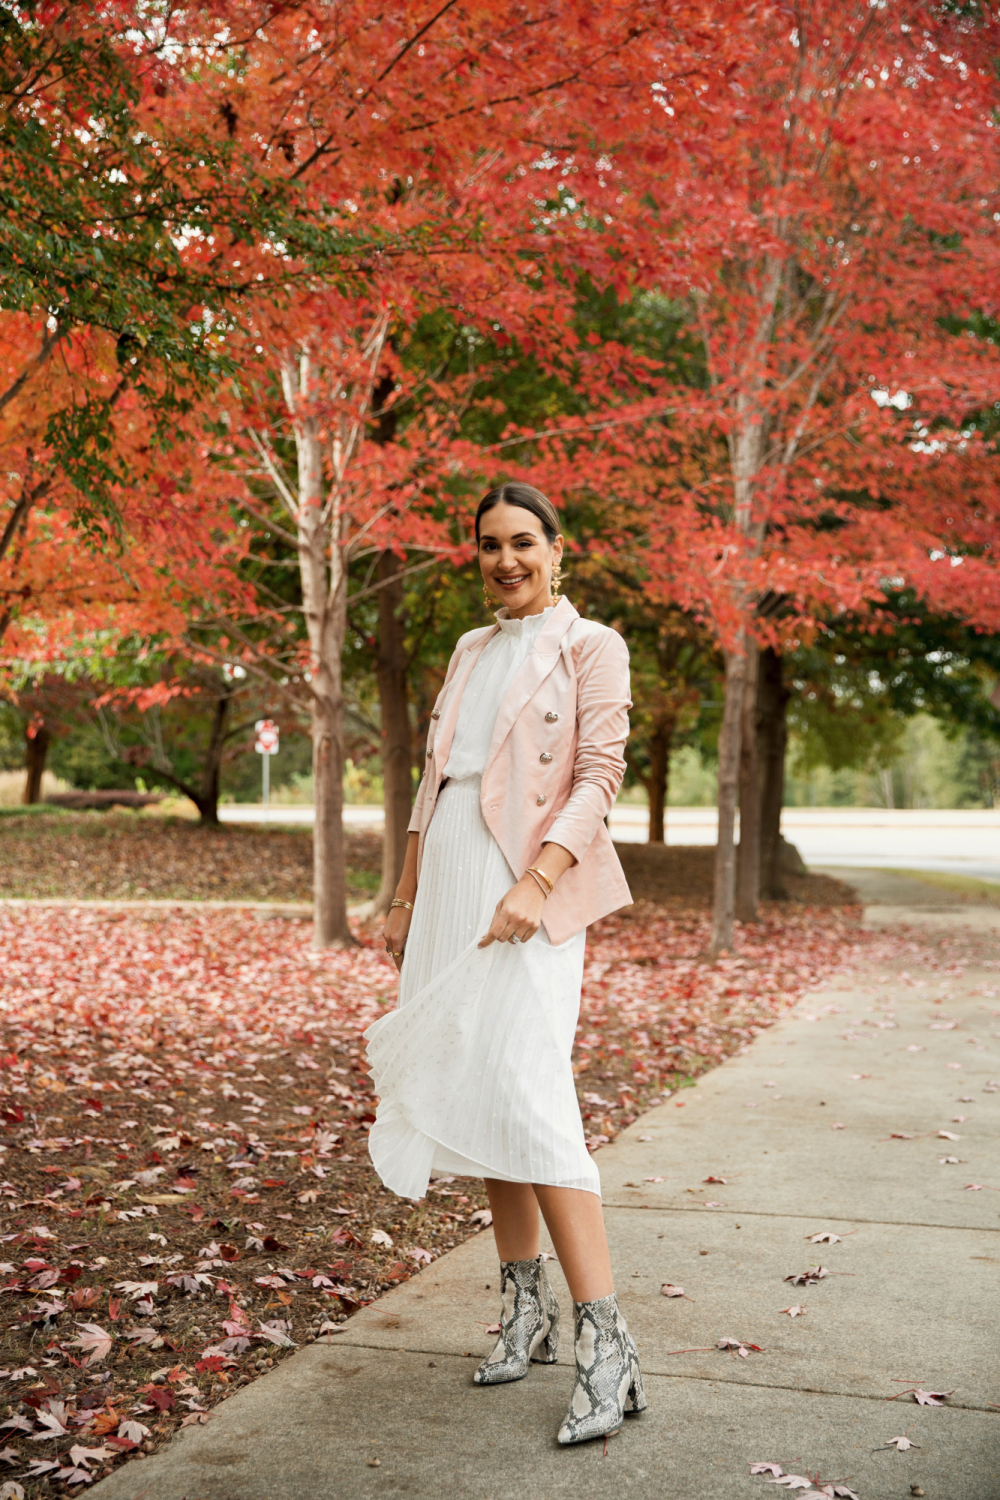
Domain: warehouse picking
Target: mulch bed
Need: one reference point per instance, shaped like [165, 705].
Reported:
[122, 856]
[681, 877]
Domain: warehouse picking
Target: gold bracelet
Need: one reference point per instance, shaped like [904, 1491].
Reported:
[533, 870]
[394, 952]
[406, 905]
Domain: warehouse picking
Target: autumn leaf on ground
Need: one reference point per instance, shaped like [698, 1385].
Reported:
[669, 1290]
[774, 1469]
[51, 1424]
[924, 1398]
[808, 1278]
[792, 1481]
[379, 1237]
[948, 1135]
[795, 1311]
[739, 1346]
[11, 1490]
[95, 1339]
[80, 1457]
[721, 1180]
[826, 1237]
[9, 1456]
[901, 1444]
[276, 1333]
[133, 1431]
[138, 1288]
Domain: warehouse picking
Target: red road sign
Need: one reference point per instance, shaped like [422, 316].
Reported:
[267, 737]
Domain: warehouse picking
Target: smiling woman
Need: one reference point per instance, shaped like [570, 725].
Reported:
[508, 861]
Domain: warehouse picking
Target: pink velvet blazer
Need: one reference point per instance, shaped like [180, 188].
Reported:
[555, 761]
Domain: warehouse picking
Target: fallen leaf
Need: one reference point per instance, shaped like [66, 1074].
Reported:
[669, 1290]
[738, 1346]
[808, 1278]
[795, 1311]
[79, 1456]
[901, 1444]
[95, 1339]
[721, 1180]
[379, 1237]
[948, 1135]
[276, 1333]
[825, 1237]
[133, 1431]
[774, 1469]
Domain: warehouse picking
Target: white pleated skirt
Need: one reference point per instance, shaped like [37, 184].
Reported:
[473, 1070]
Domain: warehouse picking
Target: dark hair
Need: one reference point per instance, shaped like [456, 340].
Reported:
[527, 498]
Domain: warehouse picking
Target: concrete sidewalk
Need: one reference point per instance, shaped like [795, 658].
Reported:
[913, 1301]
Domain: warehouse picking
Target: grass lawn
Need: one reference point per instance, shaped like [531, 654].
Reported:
[962, 885]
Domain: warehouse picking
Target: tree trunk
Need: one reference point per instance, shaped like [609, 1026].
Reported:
[208, 802]
[772, 743]
[748, 854]
[659, 777]
[37, 748]
[729, 768]
[324, 603]
[397, 760]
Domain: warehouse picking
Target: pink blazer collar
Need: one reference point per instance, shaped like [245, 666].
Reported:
[534, 671]
[532, 674]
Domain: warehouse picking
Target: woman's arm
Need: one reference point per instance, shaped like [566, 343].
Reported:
[519, 914]
[603, 703]
[397, 923]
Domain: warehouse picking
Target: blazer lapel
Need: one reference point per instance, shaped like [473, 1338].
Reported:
[449, 716]
[534, 672]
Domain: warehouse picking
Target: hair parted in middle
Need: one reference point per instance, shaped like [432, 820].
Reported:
[527, 498]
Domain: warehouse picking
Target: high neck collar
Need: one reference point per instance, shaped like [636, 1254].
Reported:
[530, 626]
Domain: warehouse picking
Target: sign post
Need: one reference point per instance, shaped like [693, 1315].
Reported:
[266, 746]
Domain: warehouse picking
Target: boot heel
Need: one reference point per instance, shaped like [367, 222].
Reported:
[549, 1348]
[636, 1398]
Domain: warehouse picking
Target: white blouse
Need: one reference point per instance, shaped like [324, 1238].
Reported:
[499, 662]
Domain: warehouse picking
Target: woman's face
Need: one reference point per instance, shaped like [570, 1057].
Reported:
[516, 559]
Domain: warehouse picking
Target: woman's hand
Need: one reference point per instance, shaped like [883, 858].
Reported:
[518, 915]
[397, 925]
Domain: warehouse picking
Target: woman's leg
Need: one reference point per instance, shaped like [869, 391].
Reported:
[515, 1219]
[575, 1221]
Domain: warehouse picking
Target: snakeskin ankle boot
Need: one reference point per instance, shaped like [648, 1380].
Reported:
[608, 1378]
[529, 1321]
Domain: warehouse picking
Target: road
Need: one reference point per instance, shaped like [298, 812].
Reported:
[964, 842]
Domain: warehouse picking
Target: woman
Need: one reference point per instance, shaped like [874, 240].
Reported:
[508, 861]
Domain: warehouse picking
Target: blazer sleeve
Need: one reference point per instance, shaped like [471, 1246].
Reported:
[603, 703]
[415, 824]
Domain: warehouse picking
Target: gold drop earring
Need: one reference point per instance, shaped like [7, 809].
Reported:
[487, 596]
[556, 579]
